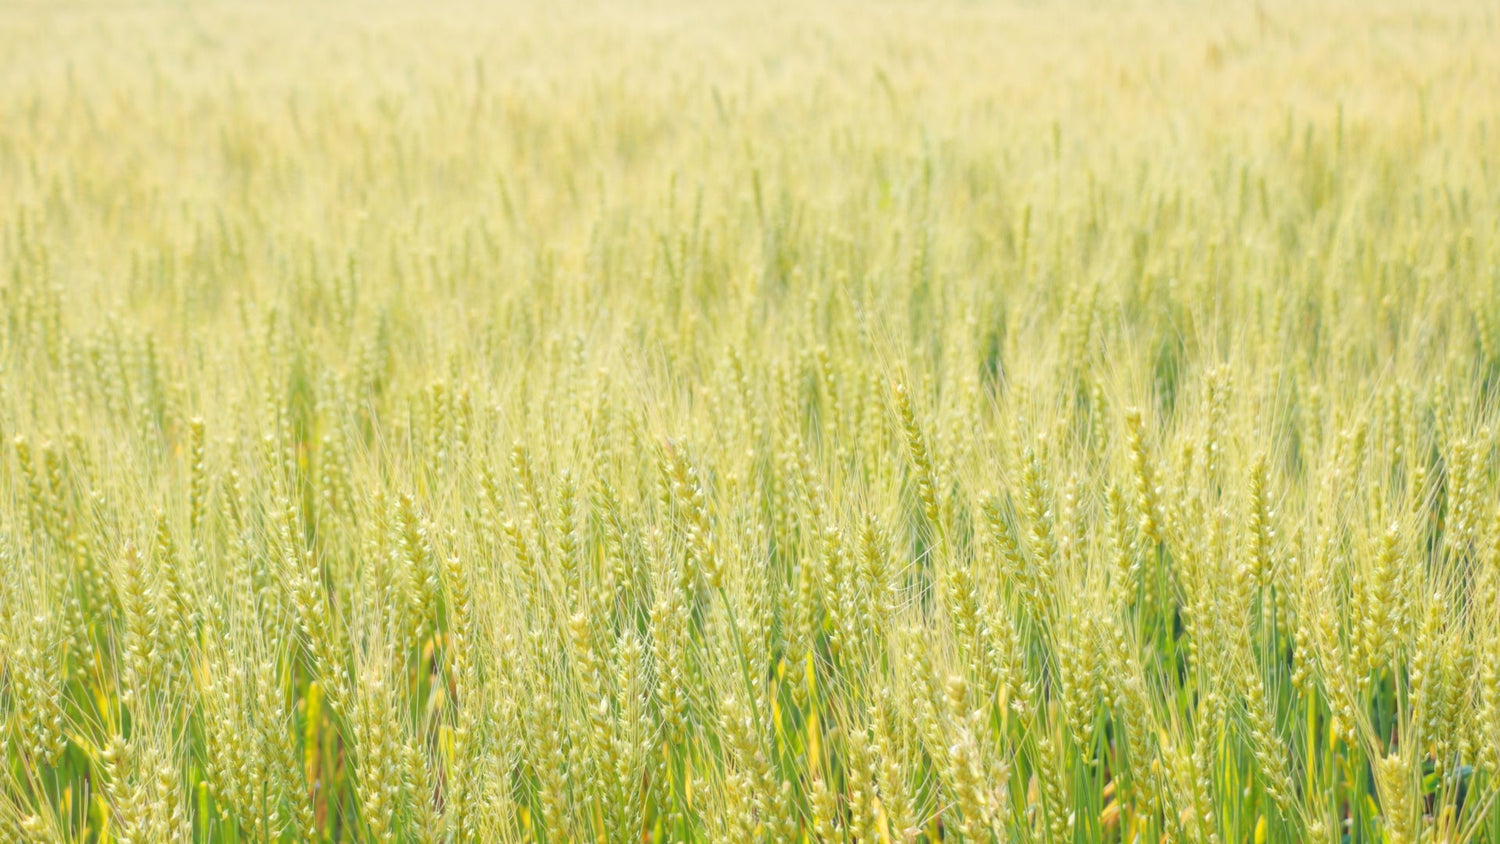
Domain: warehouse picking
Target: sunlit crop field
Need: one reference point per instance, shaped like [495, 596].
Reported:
[806, 422]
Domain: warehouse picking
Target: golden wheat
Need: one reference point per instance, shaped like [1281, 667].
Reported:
[837, 423]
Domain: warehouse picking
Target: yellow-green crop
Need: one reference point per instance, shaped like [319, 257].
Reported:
[804, 422]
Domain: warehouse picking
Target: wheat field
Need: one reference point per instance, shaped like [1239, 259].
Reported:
[833, 422]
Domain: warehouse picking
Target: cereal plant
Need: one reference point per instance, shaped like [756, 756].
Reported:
[791, 422]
